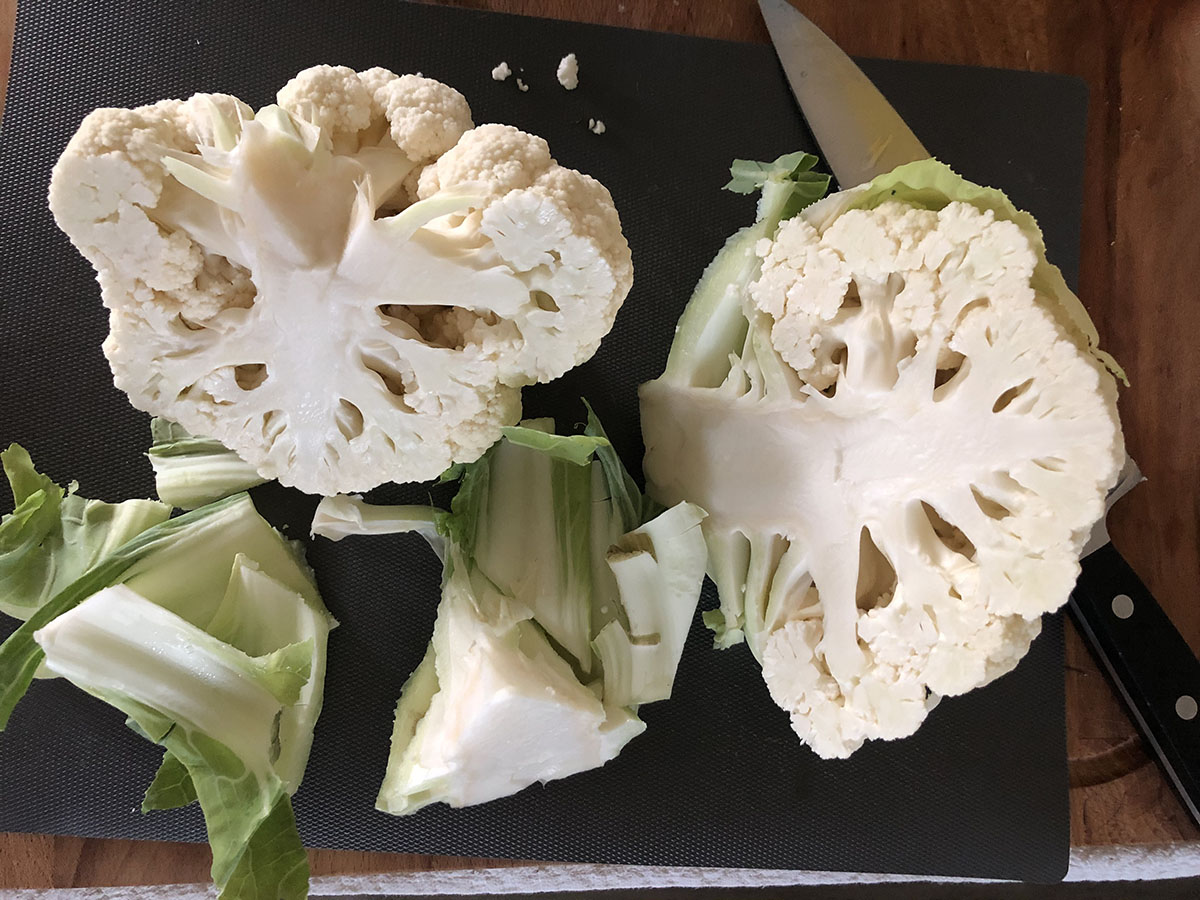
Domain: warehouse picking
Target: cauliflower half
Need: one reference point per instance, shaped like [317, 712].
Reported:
[347, 288]
[902, 458]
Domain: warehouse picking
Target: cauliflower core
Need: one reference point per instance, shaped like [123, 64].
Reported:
[347, 288]
[900, 469]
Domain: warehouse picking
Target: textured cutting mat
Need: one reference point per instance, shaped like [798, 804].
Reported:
[718, 779]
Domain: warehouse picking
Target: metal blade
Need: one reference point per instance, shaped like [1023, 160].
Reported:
[860, 135]
[1131, 477]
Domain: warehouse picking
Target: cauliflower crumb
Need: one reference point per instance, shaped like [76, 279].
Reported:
[595, 126]
[568, 72]
[522, 85]
[501, 72]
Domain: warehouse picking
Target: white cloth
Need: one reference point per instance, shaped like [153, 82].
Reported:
[1128, 863]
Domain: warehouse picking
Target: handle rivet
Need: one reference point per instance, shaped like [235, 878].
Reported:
[1185, 707]
[1122, 606]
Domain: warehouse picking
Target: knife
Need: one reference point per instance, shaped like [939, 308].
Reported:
[1150, 664]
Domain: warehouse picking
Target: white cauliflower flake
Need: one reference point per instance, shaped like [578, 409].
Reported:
[501, 72]
[568, 72]
[595, 126]
[348, 288]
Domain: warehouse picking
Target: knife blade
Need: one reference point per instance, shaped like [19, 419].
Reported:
[859, 133]
[1150, 664]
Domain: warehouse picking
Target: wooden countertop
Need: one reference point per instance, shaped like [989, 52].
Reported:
[1140, 276]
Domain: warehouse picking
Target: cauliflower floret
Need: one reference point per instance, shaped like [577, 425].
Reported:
[552, 225]
[375, 80]
[139, 136]
[832, 721]
[427, 117]
[498, 157]
[593, 206]
[275, 284]
[904, 462]
[333, 98]
[109, 175]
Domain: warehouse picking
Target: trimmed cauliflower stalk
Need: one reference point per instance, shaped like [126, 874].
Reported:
[893, 410]
[347, 288]
[549, 636]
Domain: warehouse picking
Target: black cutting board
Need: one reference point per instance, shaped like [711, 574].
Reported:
[718, 779]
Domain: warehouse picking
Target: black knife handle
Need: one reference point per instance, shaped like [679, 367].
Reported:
[1150, 664]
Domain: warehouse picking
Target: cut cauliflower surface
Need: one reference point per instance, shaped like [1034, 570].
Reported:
[347, 288]
[493, 708]
[901, 465]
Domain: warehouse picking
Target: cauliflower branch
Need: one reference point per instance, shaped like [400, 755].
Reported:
[894, 414]
[346, 288]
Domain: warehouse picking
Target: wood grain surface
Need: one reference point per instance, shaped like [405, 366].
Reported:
[1140, 276]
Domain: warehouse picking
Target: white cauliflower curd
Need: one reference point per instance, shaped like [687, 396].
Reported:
[893, 411]
[346, 288]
